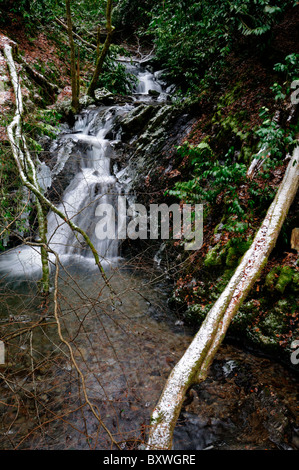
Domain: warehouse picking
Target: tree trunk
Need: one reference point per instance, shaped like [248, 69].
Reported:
[74, 81]
[101, 56]
[194, 364]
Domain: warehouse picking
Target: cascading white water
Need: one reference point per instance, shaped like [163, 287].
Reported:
[91, 151]
[92, 185]
[147, 83]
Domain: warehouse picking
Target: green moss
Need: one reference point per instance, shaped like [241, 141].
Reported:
[263, 341]
[222, 281]
[272, 277]
[215, 257]
[232, 257]
[246, 153]
[244, 316]
[295, 282]
[285, 278]
[273, 324]
[197, 313]
[282, 306]
[235, 251]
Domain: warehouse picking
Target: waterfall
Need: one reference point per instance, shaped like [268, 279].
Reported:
[88, 149]
[93, 184]
[147, 81]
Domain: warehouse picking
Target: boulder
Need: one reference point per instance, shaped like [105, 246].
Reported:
[136, 119]
[103, 96]
[86, 100]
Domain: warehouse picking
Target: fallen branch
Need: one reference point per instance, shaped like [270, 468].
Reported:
[87, 44]
[39, 78]
[25, 164]
[256, 163]
[194, 364]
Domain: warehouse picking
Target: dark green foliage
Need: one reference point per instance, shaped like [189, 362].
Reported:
[191, 36]
[290, 67]
[37, 10]
[12, 199]
[115, 77]
[91, 11]
[130, 16]
[274, 141]
[214, 180]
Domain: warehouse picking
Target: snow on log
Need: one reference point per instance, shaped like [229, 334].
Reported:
[193, 366]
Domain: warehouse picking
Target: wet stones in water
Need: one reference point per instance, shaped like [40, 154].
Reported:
[246, 402]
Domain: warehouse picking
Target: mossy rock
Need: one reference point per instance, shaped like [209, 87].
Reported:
[235, 252]
[282, 306]
[215, 256]
[245, 316]
[280, 277]
[295, 282]
[196, 313]
[271, 278]
[103, 96]
[221, 283]
[136, 119]
[232, 257]
[272, 324]
[264, 342]
[285, 278]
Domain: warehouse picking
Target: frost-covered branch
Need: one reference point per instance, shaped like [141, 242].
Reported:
[27, 172]
[26, 167]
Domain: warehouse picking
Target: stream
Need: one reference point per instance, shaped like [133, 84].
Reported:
[125, 349]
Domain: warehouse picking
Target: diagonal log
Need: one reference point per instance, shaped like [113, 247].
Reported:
[194, 364]
[39, 78]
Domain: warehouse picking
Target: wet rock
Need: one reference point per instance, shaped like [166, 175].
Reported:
[153, 93]
[246, 402]
[155, 130]
[86, 100]
[103, 96]
[136, 119]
